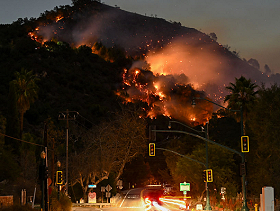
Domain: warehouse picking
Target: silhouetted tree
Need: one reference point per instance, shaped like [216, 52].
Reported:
[213, 36]
[242, 93]
[264, 160]
[267, 70]
[107, 148]
[26, 92]
[254, 63]
[12, 128]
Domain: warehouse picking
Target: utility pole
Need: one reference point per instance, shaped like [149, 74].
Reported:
[46, 167]
[208, 206]
[67, 115]
[206, 134]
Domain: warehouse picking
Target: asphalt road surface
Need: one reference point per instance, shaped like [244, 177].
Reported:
[133, 200]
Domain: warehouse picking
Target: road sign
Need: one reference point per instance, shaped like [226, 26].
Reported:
[91, 186]
[108, 194]
[102, 189]
[91, 197]
[119, 184]
[108, 188]
[185, 186]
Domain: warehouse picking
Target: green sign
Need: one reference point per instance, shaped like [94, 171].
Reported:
[185, 186]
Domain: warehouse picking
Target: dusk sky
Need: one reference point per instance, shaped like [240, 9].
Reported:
[250, 27]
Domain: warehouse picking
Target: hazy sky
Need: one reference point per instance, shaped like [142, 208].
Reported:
[250, 27]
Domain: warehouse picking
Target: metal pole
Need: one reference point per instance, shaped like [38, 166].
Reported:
[67, 117]
[58, 186]
[208, 206]
[244, 207]
[43, 188]
[46, 167]
[46, 183]
[67, 128]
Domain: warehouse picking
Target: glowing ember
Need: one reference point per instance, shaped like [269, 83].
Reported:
[58, 18]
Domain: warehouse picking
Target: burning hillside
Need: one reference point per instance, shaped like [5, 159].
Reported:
[175, 61]
[164, 95]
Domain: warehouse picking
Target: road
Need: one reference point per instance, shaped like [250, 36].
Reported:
[133, 200]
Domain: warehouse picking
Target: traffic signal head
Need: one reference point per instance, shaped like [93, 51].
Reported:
[59, 177]
[152, 149]
[244, 143]
[209, 175]
[204, 175]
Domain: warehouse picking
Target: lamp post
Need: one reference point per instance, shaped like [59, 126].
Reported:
[244, 204]
[43, 156]
[58, 185]
[208, 206]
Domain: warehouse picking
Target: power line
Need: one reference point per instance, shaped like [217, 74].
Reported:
[21, 140]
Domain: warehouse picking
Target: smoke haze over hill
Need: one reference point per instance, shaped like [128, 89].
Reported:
[169, 48]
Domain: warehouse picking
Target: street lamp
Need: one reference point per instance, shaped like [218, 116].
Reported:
[244, 206]
[208, 206]
[58, 185]
[42, 174]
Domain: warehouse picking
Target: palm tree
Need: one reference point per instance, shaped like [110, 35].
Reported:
[242, 93]
[26, 92]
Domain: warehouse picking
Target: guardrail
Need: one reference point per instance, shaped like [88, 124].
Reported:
[100, 205]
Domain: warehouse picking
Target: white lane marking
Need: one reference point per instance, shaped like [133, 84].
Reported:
[125, 197]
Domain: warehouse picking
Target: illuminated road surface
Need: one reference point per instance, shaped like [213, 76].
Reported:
[132, 201]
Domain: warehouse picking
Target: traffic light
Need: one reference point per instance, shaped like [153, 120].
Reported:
[209, 175]
[59, 177]
[244, 143]
[152, 149]
[204, 175]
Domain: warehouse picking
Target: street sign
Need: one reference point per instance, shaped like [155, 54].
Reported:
[185, 186]
[119, 184]
[102, 189]
[91, 197]
[108, 194]
[91, 186]
[108, 188]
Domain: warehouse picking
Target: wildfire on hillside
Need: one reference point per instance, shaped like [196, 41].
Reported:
[164, 95]
[174, 68]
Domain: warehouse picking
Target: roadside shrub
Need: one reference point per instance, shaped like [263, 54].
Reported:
[63, 204]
